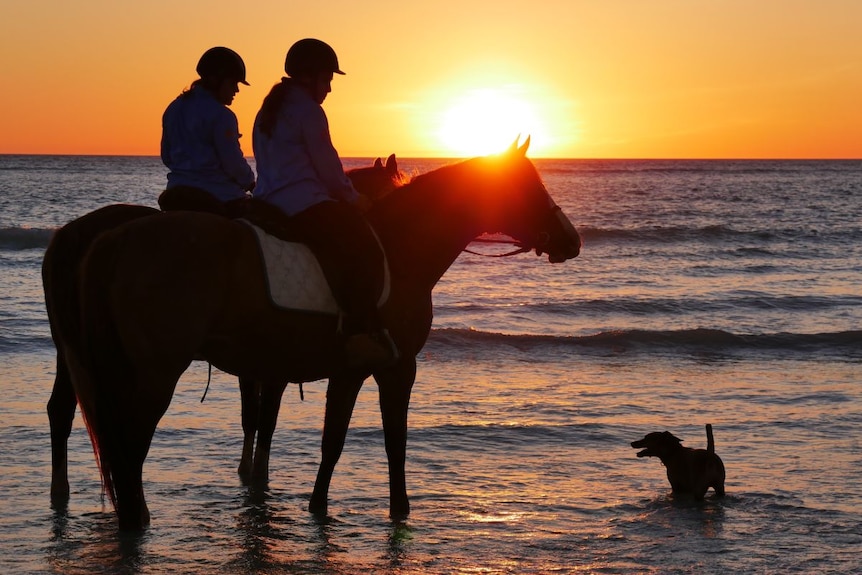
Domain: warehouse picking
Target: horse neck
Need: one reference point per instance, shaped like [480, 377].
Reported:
[425, 225]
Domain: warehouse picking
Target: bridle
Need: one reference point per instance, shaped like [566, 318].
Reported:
[542, 239]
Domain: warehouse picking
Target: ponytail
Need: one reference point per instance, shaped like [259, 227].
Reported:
[211, 84]
[268, 114]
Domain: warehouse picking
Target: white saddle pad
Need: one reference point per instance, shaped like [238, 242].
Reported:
[295, 278]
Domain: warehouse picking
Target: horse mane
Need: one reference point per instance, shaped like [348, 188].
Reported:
[404, 212]
[471, 173]
[401, 178]
[407, 186]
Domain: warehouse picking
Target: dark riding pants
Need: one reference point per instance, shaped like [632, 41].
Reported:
[350, 256]
[189, 198]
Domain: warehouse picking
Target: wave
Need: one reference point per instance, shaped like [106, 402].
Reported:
[712, 233]
[844, 343]
[480, 436]
[453, 342]
[643, 306]
[24, 238]
[736, 302]
[14, 343]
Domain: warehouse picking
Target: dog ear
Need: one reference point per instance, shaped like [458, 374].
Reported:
[671, 437]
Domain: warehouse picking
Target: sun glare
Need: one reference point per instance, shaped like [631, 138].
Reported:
[487, 120]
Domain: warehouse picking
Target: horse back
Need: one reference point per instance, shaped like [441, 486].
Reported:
[181, 286]
[192, 285]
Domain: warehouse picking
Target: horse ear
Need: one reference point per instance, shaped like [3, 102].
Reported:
[523, 149]
[378, 163]
[514, 147]
[391, 164]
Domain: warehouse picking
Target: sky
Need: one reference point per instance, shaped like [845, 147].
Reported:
[455, 78]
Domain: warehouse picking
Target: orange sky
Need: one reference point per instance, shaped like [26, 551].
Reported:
[606, 79]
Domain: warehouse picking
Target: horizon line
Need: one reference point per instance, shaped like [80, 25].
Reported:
[459, 158]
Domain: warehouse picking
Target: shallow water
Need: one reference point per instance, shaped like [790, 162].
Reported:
[707, 292]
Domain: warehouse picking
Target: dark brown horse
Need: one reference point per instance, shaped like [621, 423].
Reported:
[158, 292]
[60, 282]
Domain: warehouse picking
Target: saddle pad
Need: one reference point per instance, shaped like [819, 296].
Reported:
[294, 276]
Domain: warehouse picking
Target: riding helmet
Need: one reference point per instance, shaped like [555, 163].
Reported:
[221, 62]
[311, 56]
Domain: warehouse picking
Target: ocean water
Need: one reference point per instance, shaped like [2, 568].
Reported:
[721, 292]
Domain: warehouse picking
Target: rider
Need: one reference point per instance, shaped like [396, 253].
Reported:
[300, 172]
[200, 138]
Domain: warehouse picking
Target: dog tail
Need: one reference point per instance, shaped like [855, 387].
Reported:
[710, 442]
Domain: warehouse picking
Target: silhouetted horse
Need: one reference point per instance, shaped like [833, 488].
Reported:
[158, 292]
[60, 282]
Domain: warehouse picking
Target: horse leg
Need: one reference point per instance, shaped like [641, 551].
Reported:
[340, 399]
[137, 417]
[249, 392]
[132, 510]
[270, 402]
[395, 386]
[61, 413]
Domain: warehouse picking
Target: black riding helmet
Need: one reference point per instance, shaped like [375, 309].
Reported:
[311, 56]
[221, 62]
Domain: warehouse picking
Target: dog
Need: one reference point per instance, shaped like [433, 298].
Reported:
[690, 471]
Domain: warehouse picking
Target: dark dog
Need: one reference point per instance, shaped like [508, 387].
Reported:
[688, 470]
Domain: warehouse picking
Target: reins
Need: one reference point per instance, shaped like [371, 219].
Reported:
[209, 379]
[518, 250]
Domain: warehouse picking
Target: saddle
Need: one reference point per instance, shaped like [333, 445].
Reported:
[296, 279]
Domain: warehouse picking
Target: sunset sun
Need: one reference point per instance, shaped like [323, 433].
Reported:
[486, 120]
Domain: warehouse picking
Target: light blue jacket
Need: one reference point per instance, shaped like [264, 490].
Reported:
[200, 146]
[298, 166]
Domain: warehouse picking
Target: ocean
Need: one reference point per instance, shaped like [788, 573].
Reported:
[707, 292]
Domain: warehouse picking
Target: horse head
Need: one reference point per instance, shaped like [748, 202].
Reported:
[518, 205]
[378, 180]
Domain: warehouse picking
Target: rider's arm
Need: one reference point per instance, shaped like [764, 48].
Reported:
[325, 158]
[226, 138]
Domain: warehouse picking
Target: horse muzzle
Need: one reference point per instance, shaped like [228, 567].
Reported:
[564, 245]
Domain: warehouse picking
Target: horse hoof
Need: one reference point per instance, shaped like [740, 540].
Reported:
[398, 516]
[133, 526]
[60, 496]
[60, 505]
[135, 522]
[244, 471]
[318, 509]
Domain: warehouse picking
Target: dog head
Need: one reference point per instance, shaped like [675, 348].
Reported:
[656, 444]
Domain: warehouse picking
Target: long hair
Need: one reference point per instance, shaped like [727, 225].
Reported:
[209, 83]
[268, 114]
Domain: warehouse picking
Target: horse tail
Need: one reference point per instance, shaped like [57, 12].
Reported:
[710, 442]
[102, 364]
